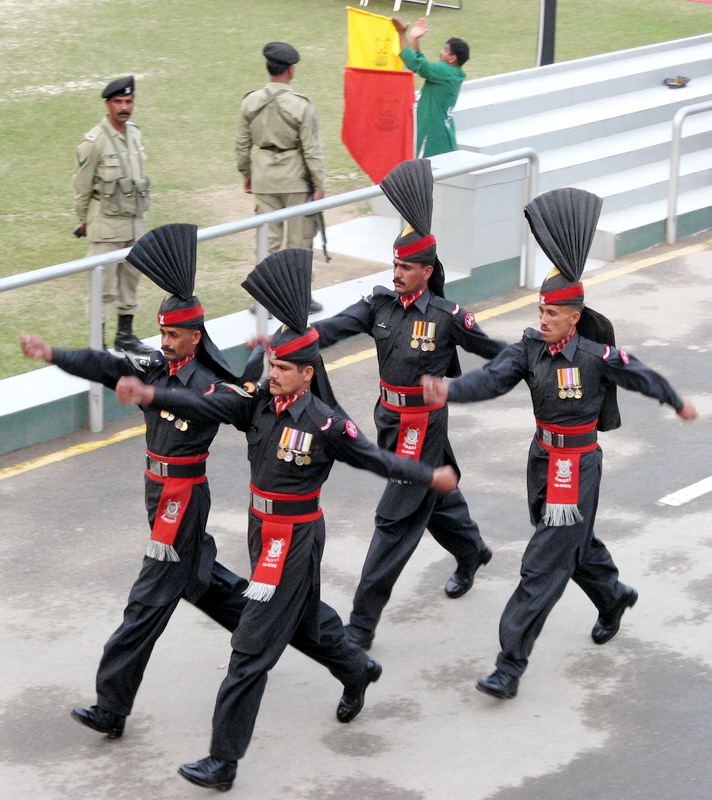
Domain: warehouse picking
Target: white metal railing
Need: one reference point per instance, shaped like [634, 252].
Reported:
[675, 146]
[260, 222]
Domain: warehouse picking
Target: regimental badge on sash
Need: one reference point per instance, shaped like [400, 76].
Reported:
[423, 336]
[180, 424]
[295, 446]
[569, 381]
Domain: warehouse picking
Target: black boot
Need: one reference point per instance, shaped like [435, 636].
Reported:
[125, 339]
[99, 720]
[607, 625]
[212, 773]
[464, 576]
[499, 684]
[359, 636]
[354, 694]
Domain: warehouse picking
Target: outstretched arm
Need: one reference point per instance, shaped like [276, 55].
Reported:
[93, 365]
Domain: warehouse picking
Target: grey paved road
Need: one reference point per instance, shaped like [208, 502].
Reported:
[630, 719]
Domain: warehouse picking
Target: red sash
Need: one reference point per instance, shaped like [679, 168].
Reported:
[276, 536]
[172, 506]
[562, 481]
[413, 421]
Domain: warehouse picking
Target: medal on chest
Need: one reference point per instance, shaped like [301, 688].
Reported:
[569, 382]
[423, 336]
[295, 446]
[180, 424]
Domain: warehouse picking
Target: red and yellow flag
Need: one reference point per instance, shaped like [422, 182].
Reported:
[377, 127]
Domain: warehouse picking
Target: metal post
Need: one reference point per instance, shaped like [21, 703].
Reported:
[529, 243]
[261, 316]
[675, 147]
[547, 32]
[96, 390]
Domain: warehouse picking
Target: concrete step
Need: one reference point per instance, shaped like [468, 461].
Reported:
[565, 166]
[585, 121]
[632, 229]
[513, 95]
[649, 182]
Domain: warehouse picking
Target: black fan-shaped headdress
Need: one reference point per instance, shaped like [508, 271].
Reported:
[167, 255]
[282, 284]
[409, 186]
[564, 221]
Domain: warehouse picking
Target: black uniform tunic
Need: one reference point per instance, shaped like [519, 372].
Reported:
[295, 612]
[404, 510]
[160, 584]
[557, 553]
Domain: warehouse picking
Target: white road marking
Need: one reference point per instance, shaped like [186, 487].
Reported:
[688, 493]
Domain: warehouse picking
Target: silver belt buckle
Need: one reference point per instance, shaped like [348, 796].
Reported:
[261, 504]
[552, 439]
[159, 468]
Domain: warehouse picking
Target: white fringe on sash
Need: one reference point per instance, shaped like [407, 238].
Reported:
[263, 592]
[161, 551]
[556, 514]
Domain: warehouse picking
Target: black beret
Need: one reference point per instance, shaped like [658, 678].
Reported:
[119, 86]
[280, 53]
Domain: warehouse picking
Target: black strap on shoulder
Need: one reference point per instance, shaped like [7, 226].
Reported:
[251, 117]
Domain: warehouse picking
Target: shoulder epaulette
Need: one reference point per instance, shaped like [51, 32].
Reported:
[320, 414]
[595, 348]
[443, 304]
[92, 134]
[531, 333]
[145, 363]
[382, 290]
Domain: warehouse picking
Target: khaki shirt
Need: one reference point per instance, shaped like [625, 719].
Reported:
[279, 126]
[111, 189]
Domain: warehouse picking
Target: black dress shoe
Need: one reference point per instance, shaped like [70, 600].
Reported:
[315, 306]
[212, 773]
[359, 636]
[464, 576]
[354, 695]
[128, 342]
[500, 684]
[607, 625]
[99, 720]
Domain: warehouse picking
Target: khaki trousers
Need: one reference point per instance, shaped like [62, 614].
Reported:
[300, 230]
[120, 281]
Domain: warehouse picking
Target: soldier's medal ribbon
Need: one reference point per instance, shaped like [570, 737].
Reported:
[295, 446]
[423, 336]
[569, 383]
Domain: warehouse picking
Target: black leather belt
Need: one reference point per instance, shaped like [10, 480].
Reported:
[566, 440]
[165, 470]
[274, 149]
[401, 399]
[285, 508]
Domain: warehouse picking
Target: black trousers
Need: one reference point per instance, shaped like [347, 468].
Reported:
[554, 556]
[394, 541]
[129, 648]
[295, 616]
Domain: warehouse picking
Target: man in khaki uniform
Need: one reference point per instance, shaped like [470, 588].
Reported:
[278, 150]
[111, 192]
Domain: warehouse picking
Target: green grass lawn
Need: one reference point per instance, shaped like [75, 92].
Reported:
[193, 63]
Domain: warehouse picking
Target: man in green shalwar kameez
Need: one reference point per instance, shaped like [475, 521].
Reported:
[443, 78]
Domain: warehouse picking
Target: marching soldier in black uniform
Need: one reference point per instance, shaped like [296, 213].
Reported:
[416, 330]
[294, 431]
[572, 369]
[180, 558]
